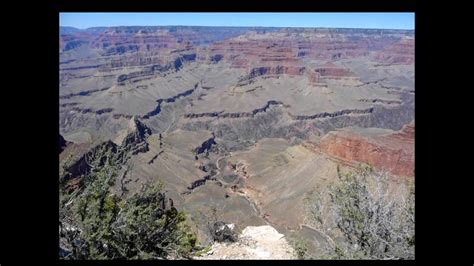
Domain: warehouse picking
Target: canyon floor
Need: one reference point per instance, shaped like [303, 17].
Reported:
[240, 123]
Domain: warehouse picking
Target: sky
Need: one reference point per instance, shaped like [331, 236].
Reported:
[329, 20]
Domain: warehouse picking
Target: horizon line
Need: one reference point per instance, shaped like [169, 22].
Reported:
[220, 26]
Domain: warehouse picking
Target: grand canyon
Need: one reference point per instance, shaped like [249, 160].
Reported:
[242, 123]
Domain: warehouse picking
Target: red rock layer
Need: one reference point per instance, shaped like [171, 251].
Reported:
[331, 70]
[402, 52]
[392, 152]
[116, 41]
[290, 46]
[262, 52]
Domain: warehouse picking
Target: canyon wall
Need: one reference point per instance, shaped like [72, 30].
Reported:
[392, 152]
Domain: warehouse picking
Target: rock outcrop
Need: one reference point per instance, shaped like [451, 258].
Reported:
[382, 101]
[255, 243]
[90, 110]
[235, 115]
[271, 71]
[82, 93]
[330, 70]
[334, 114]
[135, 138]
[174, 65]
[391, 152]
[171, 99]
[206, 145]
[200, 182]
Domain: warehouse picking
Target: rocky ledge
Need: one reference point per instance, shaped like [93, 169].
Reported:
[221, 114]
[135, 138]
[255, 243]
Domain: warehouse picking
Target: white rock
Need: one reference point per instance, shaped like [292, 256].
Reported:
[267, 232]
[231, 226]
[255, 242]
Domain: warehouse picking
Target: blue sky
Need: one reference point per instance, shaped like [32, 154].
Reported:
[331, 20]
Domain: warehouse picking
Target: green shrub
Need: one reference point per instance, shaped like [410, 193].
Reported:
[107, 227]
[376, 219]
[301, 248]
[203, 251]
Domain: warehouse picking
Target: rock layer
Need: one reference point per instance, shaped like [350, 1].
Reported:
[392, 152]
[402, 52]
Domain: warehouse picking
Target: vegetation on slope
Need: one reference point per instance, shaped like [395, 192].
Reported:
[96, 224]
[375, 220]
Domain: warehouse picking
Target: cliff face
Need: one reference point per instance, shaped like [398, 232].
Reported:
[135, 139]
[392, 152]
[316, 76]
[289, 46]
[402, 52]
[334, 114]
[206, 145]
[331, 70]
[121, 40]
[237, 114]
[76, 170]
